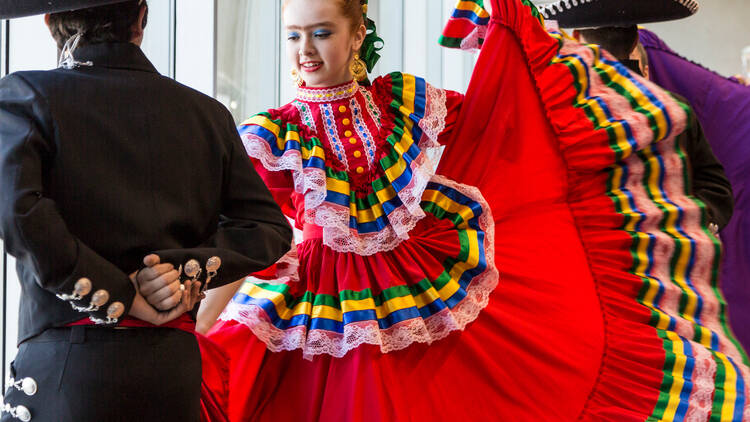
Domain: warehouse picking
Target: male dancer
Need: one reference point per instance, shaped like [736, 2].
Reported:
[104, 162]
[612, 25]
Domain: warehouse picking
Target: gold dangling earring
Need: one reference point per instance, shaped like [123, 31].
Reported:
[296, 77]
[358, 68]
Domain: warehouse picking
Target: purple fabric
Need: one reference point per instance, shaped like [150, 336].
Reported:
[723, 109]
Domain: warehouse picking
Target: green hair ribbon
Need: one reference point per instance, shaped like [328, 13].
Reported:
[372, 43]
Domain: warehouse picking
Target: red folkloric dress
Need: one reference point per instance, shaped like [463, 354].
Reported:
[580, 284]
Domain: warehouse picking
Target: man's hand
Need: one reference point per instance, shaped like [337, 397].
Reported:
[159, 283]
[145, 312]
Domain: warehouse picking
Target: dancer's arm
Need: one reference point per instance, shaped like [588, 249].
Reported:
[31, 225]
[252, 232]
[214, 303]
[188, 299]
[281, 186]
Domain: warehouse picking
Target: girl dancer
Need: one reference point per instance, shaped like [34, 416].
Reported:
[391, 310]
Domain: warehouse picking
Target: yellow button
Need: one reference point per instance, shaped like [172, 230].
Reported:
[360, 170]
[357, 154]
[346, 122]
[352, 141]
[348, 133]
[342, 109]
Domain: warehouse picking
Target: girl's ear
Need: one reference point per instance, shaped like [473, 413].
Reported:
[359, 37]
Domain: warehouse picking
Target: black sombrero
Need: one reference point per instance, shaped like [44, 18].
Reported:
[598, 13]
[10, 9]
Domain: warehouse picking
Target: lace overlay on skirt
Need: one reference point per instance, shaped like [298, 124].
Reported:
[396, 337]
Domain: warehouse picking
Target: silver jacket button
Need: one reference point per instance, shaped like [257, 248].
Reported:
[192, 269]
[115, 310]
[22, 413]
[28, 386]
[82, 287]
[100, 297]
[213, 264]
[212, 267]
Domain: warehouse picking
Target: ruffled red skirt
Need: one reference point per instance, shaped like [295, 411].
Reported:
[480, 373]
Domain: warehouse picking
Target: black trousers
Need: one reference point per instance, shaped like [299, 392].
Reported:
[102, 374]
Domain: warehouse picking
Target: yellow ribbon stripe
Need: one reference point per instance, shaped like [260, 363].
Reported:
[678, 378]
[450, 206]
[328, 312]
[473, 7]
[730, 389]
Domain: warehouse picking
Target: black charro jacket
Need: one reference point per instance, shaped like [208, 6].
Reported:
[101, 165]
[709, 182]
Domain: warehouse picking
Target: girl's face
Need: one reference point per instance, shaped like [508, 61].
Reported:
[320, 43]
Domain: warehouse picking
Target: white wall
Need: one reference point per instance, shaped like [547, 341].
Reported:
[158, 40]
[714, 37]
[194, 44]
[31, 46]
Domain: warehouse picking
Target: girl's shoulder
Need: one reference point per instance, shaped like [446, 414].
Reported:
[397, 84]
[287, 113]
[403, 92]
[276, 120]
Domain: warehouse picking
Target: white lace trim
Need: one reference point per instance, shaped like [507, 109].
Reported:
[310, 182]
[701, 397]
[471, 42]
[360, 125]
[327, 95]
[397, 337]
[326, 113]
[433, 123]
[287, 268]
[371, 107]
[306, 115]
[344, 239]
[334, 219]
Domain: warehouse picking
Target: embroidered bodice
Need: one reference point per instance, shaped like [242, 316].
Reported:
[358, 156]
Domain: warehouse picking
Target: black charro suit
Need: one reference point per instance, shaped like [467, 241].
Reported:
[709, 182]
[101, 165]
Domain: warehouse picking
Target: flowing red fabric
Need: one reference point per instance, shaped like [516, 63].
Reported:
[533, 354]
[215, 385]
[564, 336]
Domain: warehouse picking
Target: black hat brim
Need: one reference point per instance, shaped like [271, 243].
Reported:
[599, 13]
[11, 9]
